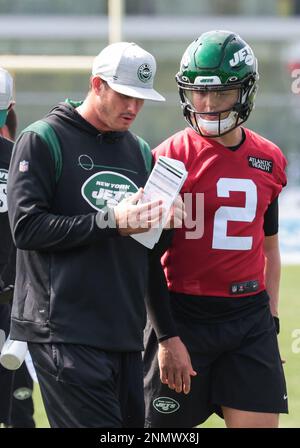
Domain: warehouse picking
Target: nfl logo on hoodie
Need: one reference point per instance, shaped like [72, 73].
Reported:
[23, 166]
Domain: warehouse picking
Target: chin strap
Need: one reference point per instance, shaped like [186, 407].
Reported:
[217, 127]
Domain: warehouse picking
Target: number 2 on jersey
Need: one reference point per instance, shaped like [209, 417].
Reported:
[243, 214]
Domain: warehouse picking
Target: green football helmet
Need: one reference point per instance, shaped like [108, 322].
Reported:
[218, 61]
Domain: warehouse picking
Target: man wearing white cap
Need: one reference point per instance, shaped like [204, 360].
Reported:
[6, 243]
[16, 405]
[79, 295]
[6, 95]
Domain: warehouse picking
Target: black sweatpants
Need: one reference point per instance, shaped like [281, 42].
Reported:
[85, 387]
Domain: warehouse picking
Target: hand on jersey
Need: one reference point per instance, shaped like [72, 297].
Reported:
[175, 365]
[176, 215]
[137, 218]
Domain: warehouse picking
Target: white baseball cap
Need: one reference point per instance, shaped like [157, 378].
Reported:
[6, 94]
[128, 69]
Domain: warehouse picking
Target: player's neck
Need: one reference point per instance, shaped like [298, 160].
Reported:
[233, 138]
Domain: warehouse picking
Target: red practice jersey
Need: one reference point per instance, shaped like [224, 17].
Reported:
[237, 186]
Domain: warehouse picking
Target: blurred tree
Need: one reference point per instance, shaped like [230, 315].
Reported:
[140, 7]
[230, 7]
[53, 7]
[285, 7]
[297, 7]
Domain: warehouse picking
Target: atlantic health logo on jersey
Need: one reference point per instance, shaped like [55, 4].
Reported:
[260, 164]
[107, 188]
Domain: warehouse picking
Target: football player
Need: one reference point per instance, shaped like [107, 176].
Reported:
[212, 346]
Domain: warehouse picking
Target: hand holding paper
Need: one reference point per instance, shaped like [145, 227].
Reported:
[176, 214]
[164, 183]
[133, 216]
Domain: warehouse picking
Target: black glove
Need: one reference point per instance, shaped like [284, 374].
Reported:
[277, 324]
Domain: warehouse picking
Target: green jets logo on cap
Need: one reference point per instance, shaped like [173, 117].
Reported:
[107, 189]
[166, 405]
[144, 73]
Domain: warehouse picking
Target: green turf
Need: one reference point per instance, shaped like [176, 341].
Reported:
[290, 320]
[39, 411]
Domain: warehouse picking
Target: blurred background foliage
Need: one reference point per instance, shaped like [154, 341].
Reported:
[277, 113]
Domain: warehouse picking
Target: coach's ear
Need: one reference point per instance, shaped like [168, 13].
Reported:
[97, 84]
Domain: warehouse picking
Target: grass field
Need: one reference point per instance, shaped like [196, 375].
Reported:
[289, 321]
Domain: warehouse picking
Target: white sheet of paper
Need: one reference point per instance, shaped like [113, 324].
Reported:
[165, 182]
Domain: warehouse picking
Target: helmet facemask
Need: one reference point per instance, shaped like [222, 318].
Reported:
[236, 114]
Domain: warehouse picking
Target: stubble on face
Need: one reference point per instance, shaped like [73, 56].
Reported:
[115, 111]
